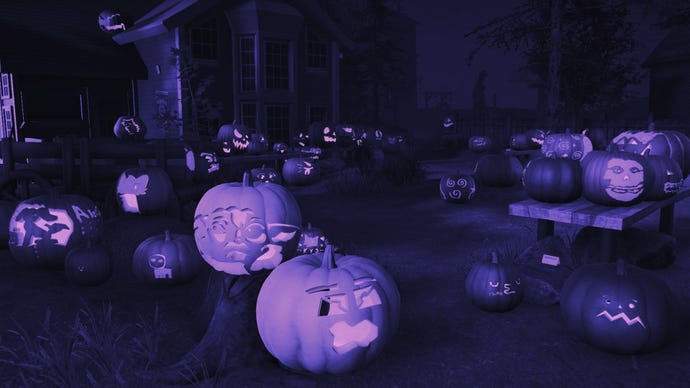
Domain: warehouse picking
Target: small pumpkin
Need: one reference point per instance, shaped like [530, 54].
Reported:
[233, 138]
[324, 313]
[457, 188]
[553, 179]
[258, 144]
[45, 228]
[280, 147]
[498, 170]
[145, 191]
[615, 178]
[479, 143]
[265, 174]
[617, 307]
[130, 128]
[529, 140]
[88, 264]
[202, 162]
[494, 286]
[301, 171]
[167, 258]
[566, 145]
[240, 228]
[311, 240]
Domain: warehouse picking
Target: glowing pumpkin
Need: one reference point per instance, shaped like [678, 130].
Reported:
[233, 138]
[617, 307]
[130, 128]
[494, 286]
[244, 227]
[145, 191]
[167, 258]
[203, 164]
[45, 228]
[265, 174]
[457, 187]
[673, 144]
[615, 178]
[301, 171]
[479, 143]
[88, 264]
[553, 179]
[326, 314]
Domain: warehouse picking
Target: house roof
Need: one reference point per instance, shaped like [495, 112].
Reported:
[49, 38]
[169, 14]
[674, 47]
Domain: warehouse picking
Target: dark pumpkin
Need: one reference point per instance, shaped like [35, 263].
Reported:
[301, 171]
[88, 264]
[617, 307]
[6, 210]
[280, 148]
[258, 144]
[479, 143]
[146, 191]
[615, 178]
[673, 144]
[666, 177]
[130, 128]
[494, 286]
[265, 174]
[529, 140]
[498, 170]
[598, 137]
[167, 258]
[553, 179]
[202, 162]
[233, 138]
[457, 188]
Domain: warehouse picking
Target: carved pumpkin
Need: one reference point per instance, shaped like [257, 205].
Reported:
[145, 191]
[457, 188]
[617, 307]
[311, 240]
[203, 164]
[88, 264]
[304, 138]
[280, 148]
[666, 177]
[673, 144]
[265, 174]
[326, 314]
[167, 258]
[327, 136]
[241, 228]
[258, 144]
[345, 134]
[553, 179]
[598, 137]
[130, 128]
[479, 143]
[615, 178]
[566, 145]
[111, 21]
[494, 286]
[301, 171]
[498, 170]
[44, 228]
[233, 138]
[530, 140]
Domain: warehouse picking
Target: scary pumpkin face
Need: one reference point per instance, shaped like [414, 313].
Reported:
[280, 148]
[326, 314]
[234, 138]
[328, 135]
[626, 179]
[615, 178]
[265, 174]
[130, 128]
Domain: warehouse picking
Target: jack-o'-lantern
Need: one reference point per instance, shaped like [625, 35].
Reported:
[457, 188]
[43, 229]
[498, 170]
[167, 258]
[328, 136]
[673, 144]
[129, 128]
[324, 313]
[311, 240]
[529, 140]
[598, 137]
[566, 145]
[258, 143]
[265, 174]
[494, 286]
[240, 228]
[553, 179]
[280, 147]
[233, 138]
[88, 264]
[479, 143]
[301, 171]
[666, 177]
[111, 21]
[345, 134]
[615, 178]
[145, 191]
[617, 307]
[202, 164]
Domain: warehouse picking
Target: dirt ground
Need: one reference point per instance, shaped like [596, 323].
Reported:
[428, 246]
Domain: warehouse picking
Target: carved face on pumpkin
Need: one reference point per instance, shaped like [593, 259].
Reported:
[329, 135]
[626, 179]
[130, 126]
[239, 141]
[209, 159]
[305, 168]
[280, 148]
[111, 21]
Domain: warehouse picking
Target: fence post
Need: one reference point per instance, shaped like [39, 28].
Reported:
[85, 164]
[68, 164]
[7, 155]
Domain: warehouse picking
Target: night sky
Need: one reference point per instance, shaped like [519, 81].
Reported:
[442, 50]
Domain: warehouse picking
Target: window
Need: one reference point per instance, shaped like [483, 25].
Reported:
[6, 91]
[248, 114]
[316, 114]
[278, 122]
[247, 64]
[204, 40]
[317, 52]
[277, 67]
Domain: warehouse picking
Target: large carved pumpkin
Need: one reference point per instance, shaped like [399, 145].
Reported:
[326, 314]
[617, 307]
[673, 144]
[615, 178]
[244, 227]
[553, 179]
[130, 128]
[494, 286]
[145, 191]
[167, 258]
[233, 138]
[44, 228]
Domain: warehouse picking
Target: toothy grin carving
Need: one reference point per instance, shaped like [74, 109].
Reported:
[622, 316]
[671, 187]
[626, 189]
[240, 145]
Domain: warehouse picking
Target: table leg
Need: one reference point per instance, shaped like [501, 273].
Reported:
[544, 228]
[666, 219]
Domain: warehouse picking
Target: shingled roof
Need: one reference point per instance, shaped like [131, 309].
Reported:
[51, 38]
[675, 47]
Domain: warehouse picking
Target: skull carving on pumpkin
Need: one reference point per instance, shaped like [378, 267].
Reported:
[615, 178]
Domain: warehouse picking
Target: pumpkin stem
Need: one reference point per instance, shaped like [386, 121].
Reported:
[247, 179]
[167, 235]
[494, 257]
[328, 258]
[620, 267]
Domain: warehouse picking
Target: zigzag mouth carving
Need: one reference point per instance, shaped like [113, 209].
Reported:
[622, 316]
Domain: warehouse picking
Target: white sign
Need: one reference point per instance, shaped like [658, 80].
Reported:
[550, 260]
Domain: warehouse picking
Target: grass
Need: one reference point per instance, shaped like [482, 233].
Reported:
[395, 171]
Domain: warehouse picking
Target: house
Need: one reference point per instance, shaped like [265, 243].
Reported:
[669, 76]
[61, 74]
[269, 64]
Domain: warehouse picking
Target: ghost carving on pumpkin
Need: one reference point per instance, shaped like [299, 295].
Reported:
[626, 179]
